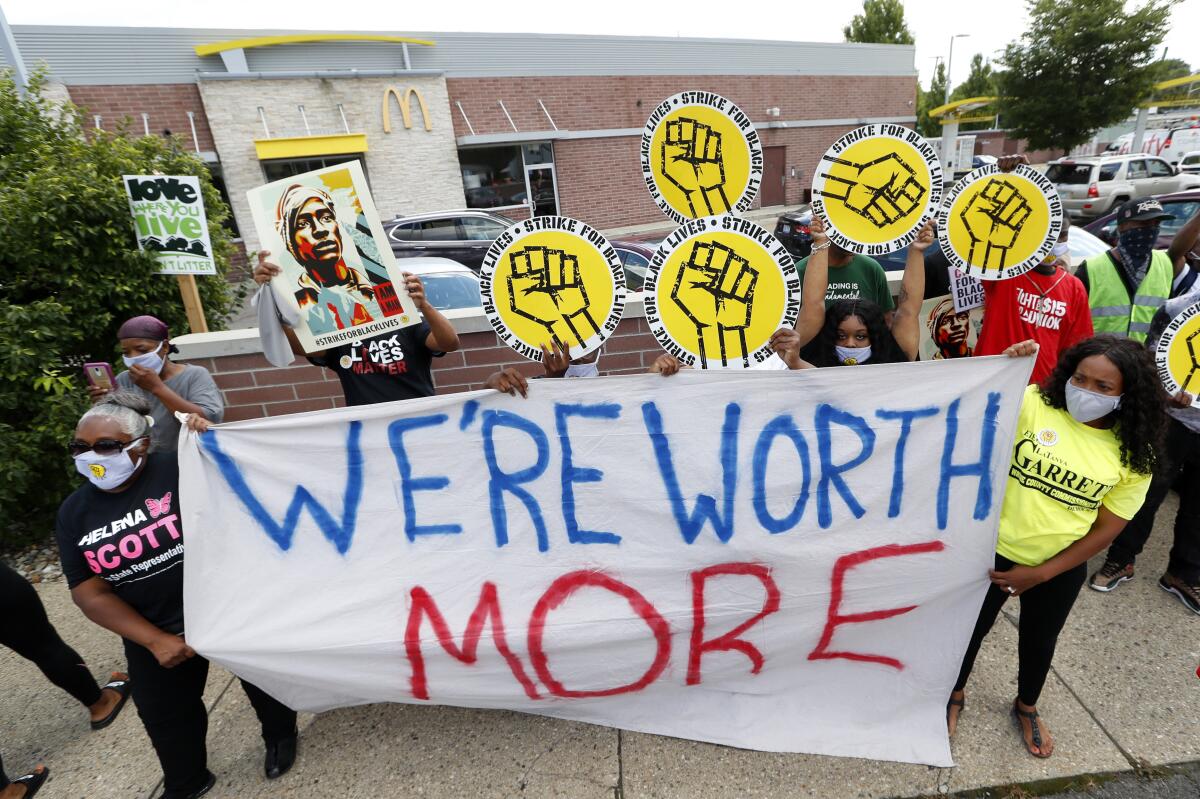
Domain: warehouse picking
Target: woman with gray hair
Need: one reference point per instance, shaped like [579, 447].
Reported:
[120, 537]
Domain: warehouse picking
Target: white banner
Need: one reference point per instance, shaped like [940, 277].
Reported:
[784, 561]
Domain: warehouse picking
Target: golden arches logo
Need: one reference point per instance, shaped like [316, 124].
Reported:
[405, 103]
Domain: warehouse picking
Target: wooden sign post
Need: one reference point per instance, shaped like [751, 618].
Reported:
[190, 293]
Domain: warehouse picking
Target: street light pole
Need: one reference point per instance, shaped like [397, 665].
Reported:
[950, 62]
[10, 55]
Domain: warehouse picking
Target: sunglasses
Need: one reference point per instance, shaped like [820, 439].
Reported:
[103, 447]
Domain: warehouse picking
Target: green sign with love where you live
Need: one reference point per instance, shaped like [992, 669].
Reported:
[168, 219]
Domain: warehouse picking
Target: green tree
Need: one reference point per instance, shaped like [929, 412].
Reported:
[70, 272]
[1168, 68]
[980, 82]
[881, 22]
[928, 100]
[1079, 67]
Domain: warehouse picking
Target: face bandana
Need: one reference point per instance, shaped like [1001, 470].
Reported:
[850, 356]
[1135, 247]
[1088, 406]
[147, 360]
[107, 471]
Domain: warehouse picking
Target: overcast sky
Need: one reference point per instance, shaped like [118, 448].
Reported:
[932, 22]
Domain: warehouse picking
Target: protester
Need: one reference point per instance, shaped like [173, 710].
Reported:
[556, 363]
[391, 366]
[1047, 305]
[1178, 465]
[120, 538]
[166, 386]
[1134, 269]
[1085, 449]
[851, 276]
[22, 787]
[26, 630]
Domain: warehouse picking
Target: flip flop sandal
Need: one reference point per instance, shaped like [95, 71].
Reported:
[1034, 728]
[122, 689]
[961, 704]
[33, 782]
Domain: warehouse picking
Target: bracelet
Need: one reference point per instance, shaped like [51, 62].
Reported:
[819, 247]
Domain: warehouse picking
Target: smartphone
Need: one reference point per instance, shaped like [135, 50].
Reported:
[99, 375]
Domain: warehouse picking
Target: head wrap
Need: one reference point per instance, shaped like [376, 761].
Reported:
[940, 312]
[147, 327]
[290, 202]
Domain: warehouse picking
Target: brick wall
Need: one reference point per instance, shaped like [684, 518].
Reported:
[253, 388]
[999, 143]
[166, 103]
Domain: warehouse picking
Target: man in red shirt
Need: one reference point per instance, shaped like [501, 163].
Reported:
[1046, 304]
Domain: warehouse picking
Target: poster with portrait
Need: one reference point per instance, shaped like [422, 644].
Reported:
[716, 291]
[998, 225]
[875, 187]
[701, 156]
[947, 332]
[552, 278]
[1177, 353]
[322, 229]
[169, 221]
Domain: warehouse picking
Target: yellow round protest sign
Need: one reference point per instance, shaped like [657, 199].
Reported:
[701, 156]
[1177, 354]
[997, 225]
[552, 278]
[716, 291]
[875, 187]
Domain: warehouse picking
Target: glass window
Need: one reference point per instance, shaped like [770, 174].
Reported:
[630, 258]
[439, 230]
[1190, 160]
[1159, 169]
[407, 232]
[542, 153]
[481, 229]
[1137, 170]
[1109, 171]
[452, 291]
[1069, 174]
[492, 176]
[1183, 211]
[285, 168]
[218, 179]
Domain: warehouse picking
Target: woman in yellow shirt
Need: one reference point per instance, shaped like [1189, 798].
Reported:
[1081, 464]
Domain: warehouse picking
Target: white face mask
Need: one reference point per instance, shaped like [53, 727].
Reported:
[1088, 406]
[582, 370]
[107, 472]
[1060, 249]
[147, 360]
[850, 356]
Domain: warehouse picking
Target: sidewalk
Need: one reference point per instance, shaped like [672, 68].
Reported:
[1124, 693]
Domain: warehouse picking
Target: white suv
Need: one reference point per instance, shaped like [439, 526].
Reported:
[1091, 187]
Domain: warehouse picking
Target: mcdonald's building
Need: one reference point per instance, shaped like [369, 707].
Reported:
[515, 123]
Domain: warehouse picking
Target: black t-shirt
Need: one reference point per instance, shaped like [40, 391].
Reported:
[937, 273]
[391, 366]
[133, 539]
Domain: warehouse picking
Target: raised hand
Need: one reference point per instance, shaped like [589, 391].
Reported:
[691, 159]
[715, 289]
[545, 286]
[883, 191]
[994, 216]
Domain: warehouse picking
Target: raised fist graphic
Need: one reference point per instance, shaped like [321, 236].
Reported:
[545, 286]
[1005, 210]
[885, 190]
[715, 289]
[691, 159]
[1194, 357]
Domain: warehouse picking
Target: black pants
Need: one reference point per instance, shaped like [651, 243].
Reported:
[1181, 458]
[25, 629]
[171, 705]
[1044, 611]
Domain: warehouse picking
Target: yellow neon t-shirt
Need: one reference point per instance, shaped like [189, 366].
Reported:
[1061, 472]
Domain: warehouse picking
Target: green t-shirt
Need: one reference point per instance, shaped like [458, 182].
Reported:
[861, 277]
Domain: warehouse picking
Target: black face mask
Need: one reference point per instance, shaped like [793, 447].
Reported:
[1136, 246]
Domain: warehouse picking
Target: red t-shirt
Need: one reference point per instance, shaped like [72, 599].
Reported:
[1050, 309]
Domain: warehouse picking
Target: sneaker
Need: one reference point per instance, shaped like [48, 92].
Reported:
[1111, 575]
[1189, 595]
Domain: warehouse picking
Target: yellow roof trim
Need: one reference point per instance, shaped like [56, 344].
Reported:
[975, 102]
[1173, 82]
[310, 146]
[976, 118]
[301, 38]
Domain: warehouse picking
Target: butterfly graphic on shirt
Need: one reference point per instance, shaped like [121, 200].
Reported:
[159, 507]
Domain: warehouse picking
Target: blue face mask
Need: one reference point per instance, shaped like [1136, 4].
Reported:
[851, 356]
[147, 360]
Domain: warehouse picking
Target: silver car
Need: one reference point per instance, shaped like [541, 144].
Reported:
[1094, 186]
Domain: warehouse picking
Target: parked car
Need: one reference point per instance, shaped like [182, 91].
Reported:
[462, 236]
[1094, 186]
[1182, 205]
[1170, 144]
[636, 253]
[791, 228]
[448, 284]
[1190, 163]
[982, 161]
